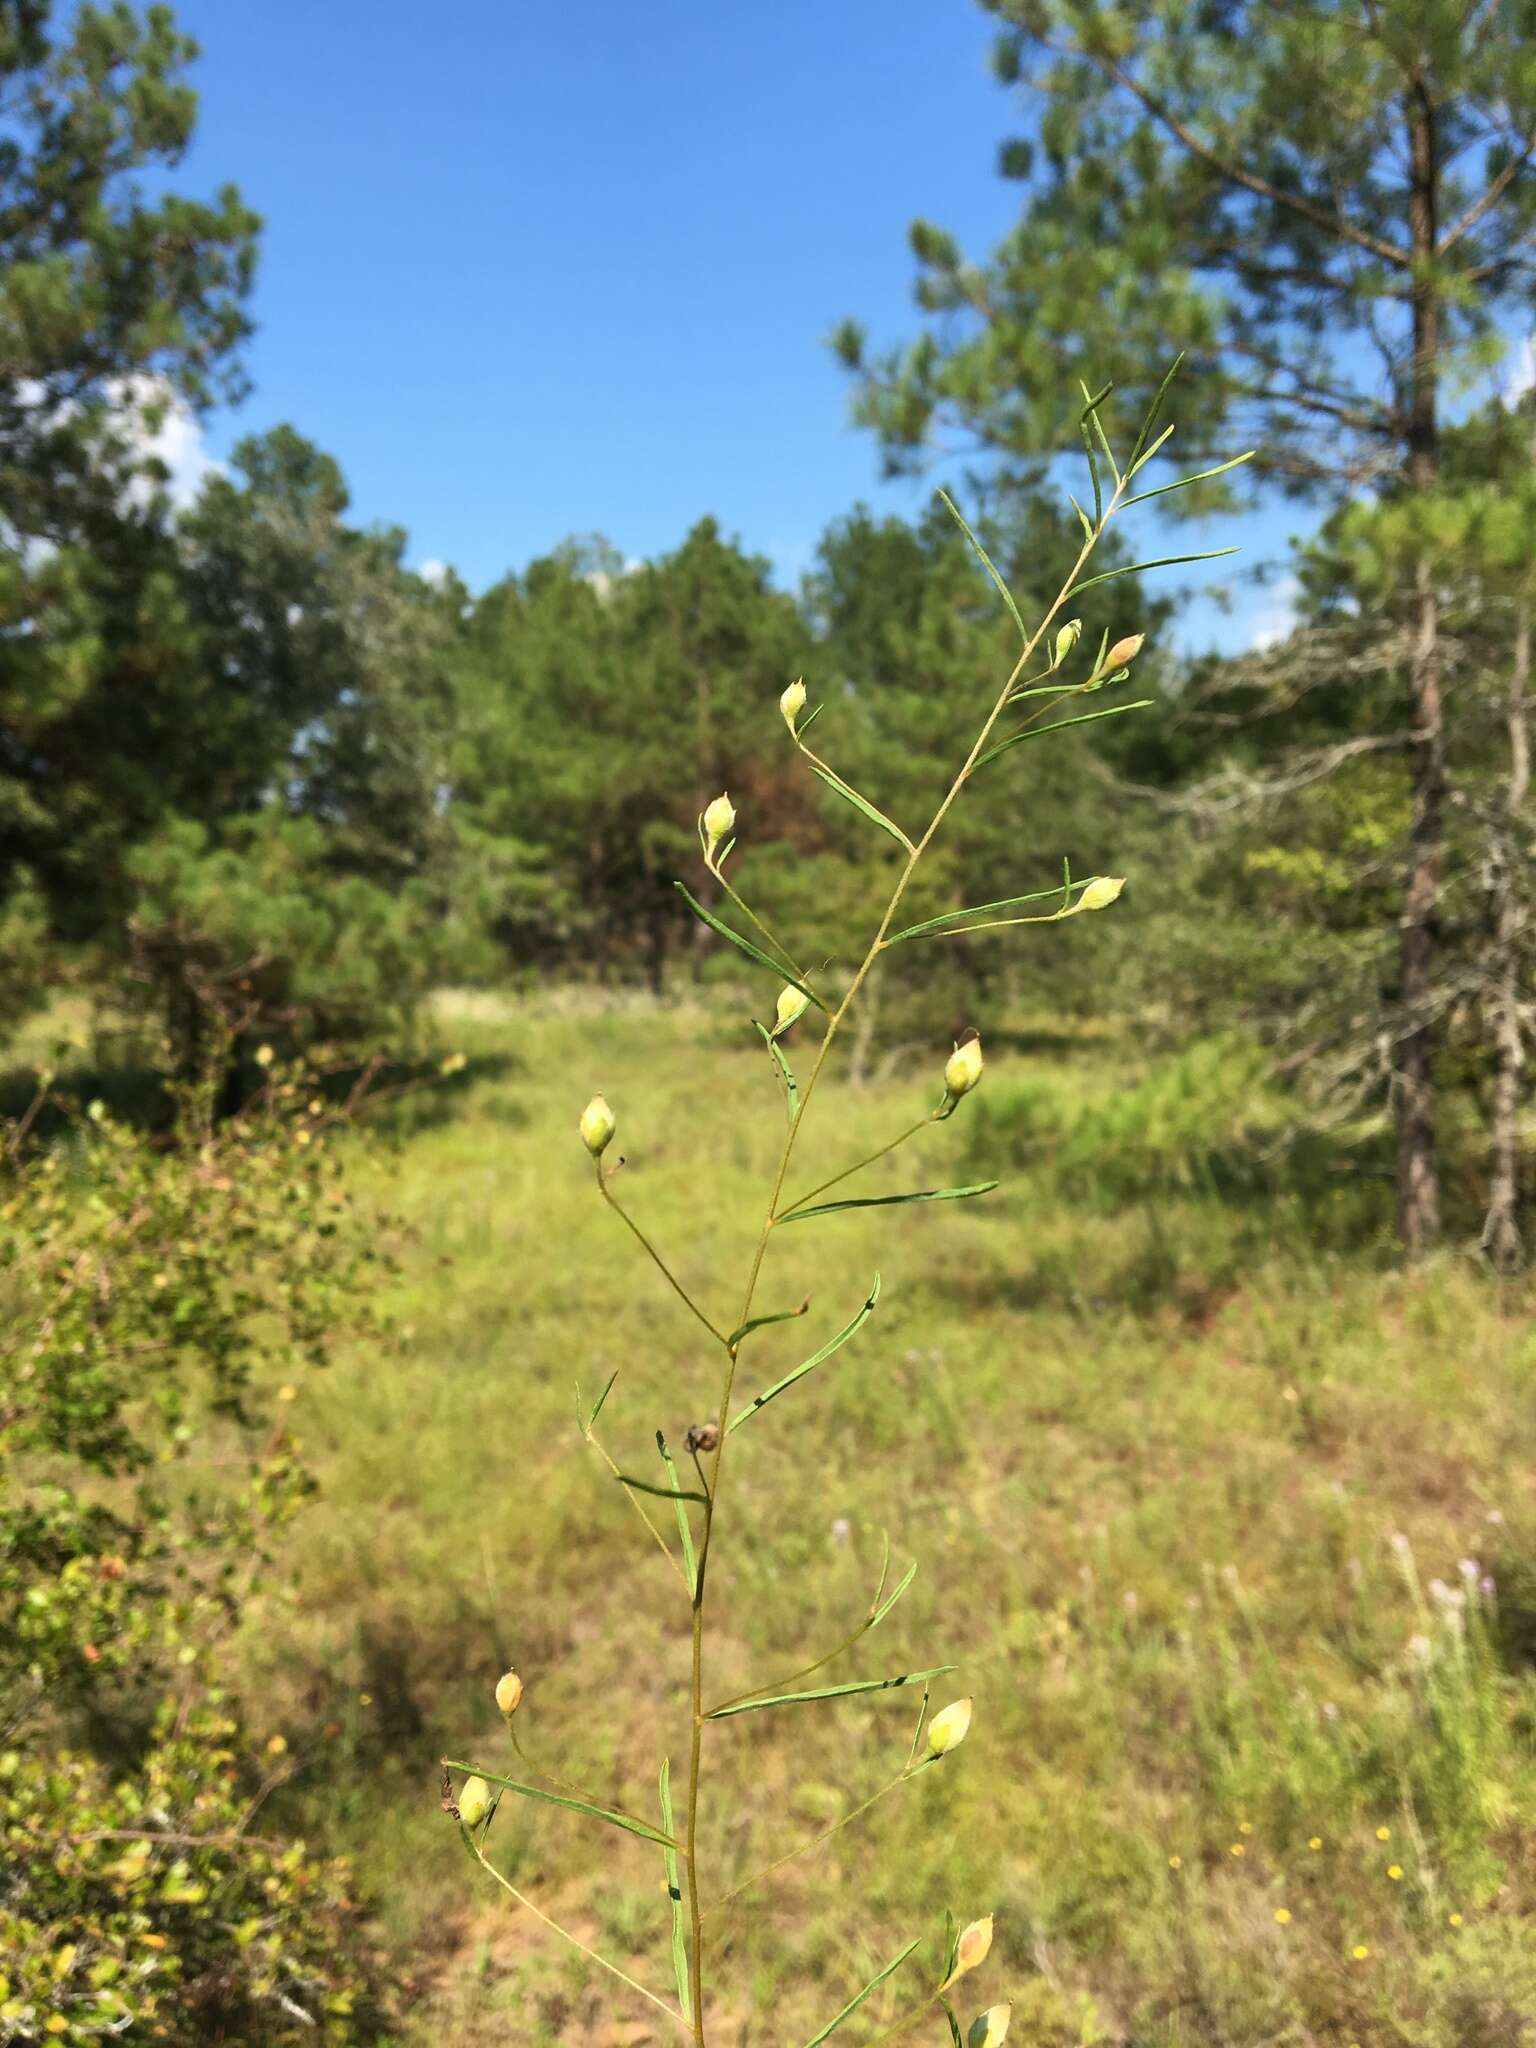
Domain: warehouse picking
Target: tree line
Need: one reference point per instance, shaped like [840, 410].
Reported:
[253, 766]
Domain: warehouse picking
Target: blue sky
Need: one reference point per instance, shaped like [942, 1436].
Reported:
[532, 270]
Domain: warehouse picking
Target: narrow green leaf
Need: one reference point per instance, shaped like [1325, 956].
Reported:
[1035, 732]
[1087, 522]
[602, 1397]
[618, 1820]
[785, 1315]
[675, 1893]
[986, 562]
[982, 1187]
[1136, 568]
[690, 1562]
[854, 2003]
[954, 2025]
[830, 1692]
[1092, 416]
[661, 1492]
[1093, 460]
[786, 1072]
[810, 718]
[931, 924]
[1142, 461]
[752, 952]
[1200, 477]
[833, 1344]
[860, 803]
[883, 1609]
[1153, 410]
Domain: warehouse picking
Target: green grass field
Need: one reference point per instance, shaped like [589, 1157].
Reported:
[1179, 1483]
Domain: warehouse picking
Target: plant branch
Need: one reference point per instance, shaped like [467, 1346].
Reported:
[640, 1509]
[914, 856]
[660, 1263]
[849, 1171]
[804, 1849]
[565, 1935]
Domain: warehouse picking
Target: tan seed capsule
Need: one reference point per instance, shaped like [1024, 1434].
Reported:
[1125, 651]
[509, 1693]
[1067, 639]
[704, 1436]
[791, 1006]
[962, 1070]
[1100, 893]
[947, 1730]
[989, 2029]
[719, 823]
[975, 1945]
[474, 1801]
[597, 1126]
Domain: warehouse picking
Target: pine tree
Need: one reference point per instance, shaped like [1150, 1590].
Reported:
[1330, 207]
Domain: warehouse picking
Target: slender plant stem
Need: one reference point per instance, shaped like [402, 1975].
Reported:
[660, 1263]
[639, 1506]
[915, 853]
[849, 1171]
[565, 1935]
[899, 2026]
[805, 1848]
[765, 928]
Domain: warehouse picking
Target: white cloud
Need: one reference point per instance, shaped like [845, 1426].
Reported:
[434, 572]
[1276, 617]
[1522, 372]
[174, 437]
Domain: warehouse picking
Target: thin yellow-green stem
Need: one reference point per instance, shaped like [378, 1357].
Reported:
[763, 926]
[899, 2026]
[793, 1678]
[565, 1934]
[804, 1849]
[660, 1263]
[849, 1171]
[639, 1506]
[834, 1021]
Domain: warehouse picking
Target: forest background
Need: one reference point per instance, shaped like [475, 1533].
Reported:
[290, 828]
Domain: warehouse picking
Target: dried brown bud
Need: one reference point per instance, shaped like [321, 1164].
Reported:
[704, 1436]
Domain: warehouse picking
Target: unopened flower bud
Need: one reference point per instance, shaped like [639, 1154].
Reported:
[946, 1731]
[509, 1693]
[973, 1948]
[989, 2029]
[597, 1126]
[1100, 893]
[962, 1070]
[474, 1801]
[791, 1006]
[719, 822]
[1125, 650]
[792, 703]
[703, 1437]
[1067, 639]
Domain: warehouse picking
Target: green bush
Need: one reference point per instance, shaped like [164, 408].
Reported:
[162, 1304]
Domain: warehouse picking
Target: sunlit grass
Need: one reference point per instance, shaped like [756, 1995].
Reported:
[1152, 1457]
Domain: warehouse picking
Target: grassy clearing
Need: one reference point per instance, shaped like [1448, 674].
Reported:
[1254, 1758]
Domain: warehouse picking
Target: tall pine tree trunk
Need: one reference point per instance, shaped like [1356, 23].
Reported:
[1501, 1240]
[1418, 1177]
